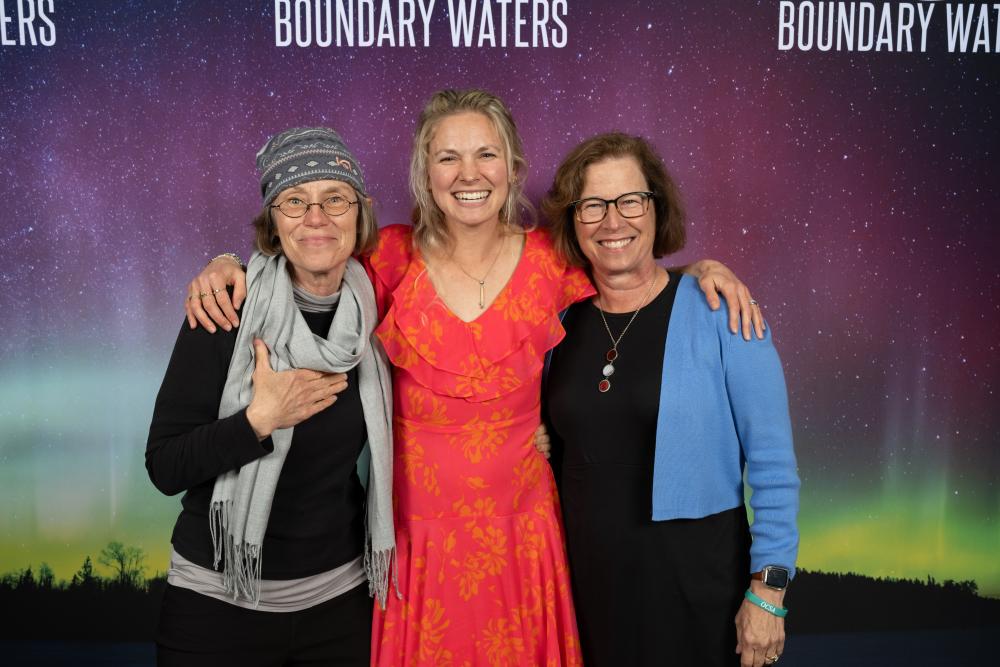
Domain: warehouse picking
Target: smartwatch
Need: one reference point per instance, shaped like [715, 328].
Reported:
[773, 576]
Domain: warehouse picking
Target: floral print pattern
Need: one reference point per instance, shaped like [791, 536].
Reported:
[481, 560]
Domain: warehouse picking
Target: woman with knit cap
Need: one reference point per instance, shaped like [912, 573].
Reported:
[273, 431]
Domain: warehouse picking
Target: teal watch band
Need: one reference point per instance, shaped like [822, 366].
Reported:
[780, 612]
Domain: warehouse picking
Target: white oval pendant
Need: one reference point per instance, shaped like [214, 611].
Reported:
[608, 371]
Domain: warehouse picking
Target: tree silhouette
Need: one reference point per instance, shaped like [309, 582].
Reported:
[26, 580]
[84, 577]
[46, 577]
[128, 563]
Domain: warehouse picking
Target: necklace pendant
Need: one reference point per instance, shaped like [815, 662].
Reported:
[482, 295]
[608, 370]
[604, 385]
[611, 355]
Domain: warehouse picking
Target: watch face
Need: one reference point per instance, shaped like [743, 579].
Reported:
[775, 577]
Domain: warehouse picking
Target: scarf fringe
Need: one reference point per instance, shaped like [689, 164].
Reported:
[378, 566]
[241, 572]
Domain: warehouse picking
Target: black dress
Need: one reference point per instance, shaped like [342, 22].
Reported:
[646, 593]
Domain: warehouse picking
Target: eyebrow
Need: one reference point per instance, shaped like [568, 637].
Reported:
[452, 151]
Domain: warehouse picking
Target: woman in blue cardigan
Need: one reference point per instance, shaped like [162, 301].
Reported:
[656, 410]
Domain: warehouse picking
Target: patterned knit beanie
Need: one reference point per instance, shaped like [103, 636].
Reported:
[304, 154]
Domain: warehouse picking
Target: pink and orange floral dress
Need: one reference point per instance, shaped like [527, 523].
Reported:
[481, 559]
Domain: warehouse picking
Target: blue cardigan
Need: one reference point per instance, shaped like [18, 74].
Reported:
[723, 407]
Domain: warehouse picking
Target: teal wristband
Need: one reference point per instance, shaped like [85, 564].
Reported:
[780, 612]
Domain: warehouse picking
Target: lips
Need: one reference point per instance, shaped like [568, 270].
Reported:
[478, 195]
[616, 244]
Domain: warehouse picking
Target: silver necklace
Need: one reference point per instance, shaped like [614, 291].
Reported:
[482, 283]
[609, 368]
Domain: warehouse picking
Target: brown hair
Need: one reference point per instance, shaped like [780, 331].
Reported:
[428, 220]
[567, 185]
[266, 236]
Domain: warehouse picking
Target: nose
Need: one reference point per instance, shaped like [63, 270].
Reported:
[315, 217]
[468, 171]
[613, 219]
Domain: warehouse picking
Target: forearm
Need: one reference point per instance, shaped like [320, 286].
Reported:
[177, 462]
[188, 443]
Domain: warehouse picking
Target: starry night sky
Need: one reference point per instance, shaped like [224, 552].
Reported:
[855, 193]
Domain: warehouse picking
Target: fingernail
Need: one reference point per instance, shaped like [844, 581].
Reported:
[211, 329]
[227, 328]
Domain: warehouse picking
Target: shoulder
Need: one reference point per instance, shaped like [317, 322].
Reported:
[707, 321]
[692, 311]
[570, 282]
[539, 249]
[539, 240]
[396, 232]
[198, 352]
[394, 240]
[690, 301]
[392, 255]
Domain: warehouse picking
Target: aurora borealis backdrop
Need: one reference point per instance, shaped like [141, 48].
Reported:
[855, 192]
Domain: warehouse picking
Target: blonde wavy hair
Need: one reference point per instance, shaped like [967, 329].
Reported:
[429, 229]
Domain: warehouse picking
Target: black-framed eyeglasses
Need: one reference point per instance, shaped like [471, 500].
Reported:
[594, 209]
[294, 207]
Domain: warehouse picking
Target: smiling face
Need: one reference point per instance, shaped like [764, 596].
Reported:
[467, 172]
[317, 245]
[617, 245]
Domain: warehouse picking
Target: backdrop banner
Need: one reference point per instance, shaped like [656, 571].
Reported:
[840, 157]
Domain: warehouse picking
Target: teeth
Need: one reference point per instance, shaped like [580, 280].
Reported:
[471, 196]
[616, 244]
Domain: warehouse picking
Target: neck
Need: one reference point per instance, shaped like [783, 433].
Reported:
[472, 246]
[623, 292]
[322, 283]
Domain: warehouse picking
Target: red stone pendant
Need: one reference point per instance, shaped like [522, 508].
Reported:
[604, 385]
[611, 355]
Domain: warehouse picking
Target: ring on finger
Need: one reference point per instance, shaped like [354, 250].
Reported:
[753, 302]
[202, 295]
[771, 659]
[220, 289]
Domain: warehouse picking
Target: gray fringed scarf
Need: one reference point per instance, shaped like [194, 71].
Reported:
[241, 500]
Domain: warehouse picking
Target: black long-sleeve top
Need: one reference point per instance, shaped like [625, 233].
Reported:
[317, 517]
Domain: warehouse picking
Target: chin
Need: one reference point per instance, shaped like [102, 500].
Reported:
[616, 266]
[318, 264]
[469, 221]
